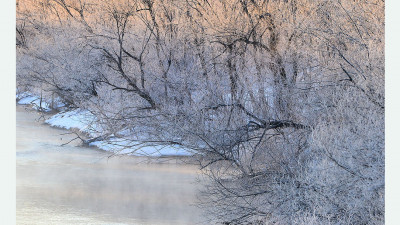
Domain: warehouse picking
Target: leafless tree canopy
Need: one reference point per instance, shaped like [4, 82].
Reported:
[282, 100]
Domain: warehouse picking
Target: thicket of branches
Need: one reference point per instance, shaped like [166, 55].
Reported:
[283, 100]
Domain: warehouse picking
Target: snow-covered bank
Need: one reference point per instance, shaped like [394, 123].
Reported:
[79, 119]
[36, 102]
[126, 146]
[86, 122]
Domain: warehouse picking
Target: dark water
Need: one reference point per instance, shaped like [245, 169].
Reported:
[76, 185]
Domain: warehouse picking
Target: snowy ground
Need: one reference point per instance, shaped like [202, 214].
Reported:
[85, 121]
[126, 146]
[79, 119]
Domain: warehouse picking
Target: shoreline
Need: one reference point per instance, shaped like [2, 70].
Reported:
[161, 159]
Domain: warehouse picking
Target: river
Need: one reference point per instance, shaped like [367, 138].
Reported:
[71, 184]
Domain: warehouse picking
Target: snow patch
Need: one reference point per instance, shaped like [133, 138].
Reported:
[76, 119]
[36, 102]
[26, 98]
[124, 146]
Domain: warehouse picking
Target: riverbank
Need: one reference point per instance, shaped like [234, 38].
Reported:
[85, 124]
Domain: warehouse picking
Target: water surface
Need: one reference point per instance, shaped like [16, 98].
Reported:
[77, 185]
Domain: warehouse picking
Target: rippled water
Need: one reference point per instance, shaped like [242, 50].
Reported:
[76, 185]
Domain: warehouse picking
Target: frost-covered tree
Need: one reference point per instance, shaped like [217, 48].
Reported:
[282, 102]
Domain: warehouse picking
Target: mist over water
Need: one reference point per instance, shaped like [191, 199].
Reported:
[77, 185]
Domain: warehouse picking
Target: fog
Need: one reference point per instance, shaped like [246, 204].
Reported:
[77, 185]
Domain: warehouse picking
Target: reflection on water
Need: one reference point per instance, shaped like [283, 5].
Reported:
[75, 185]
